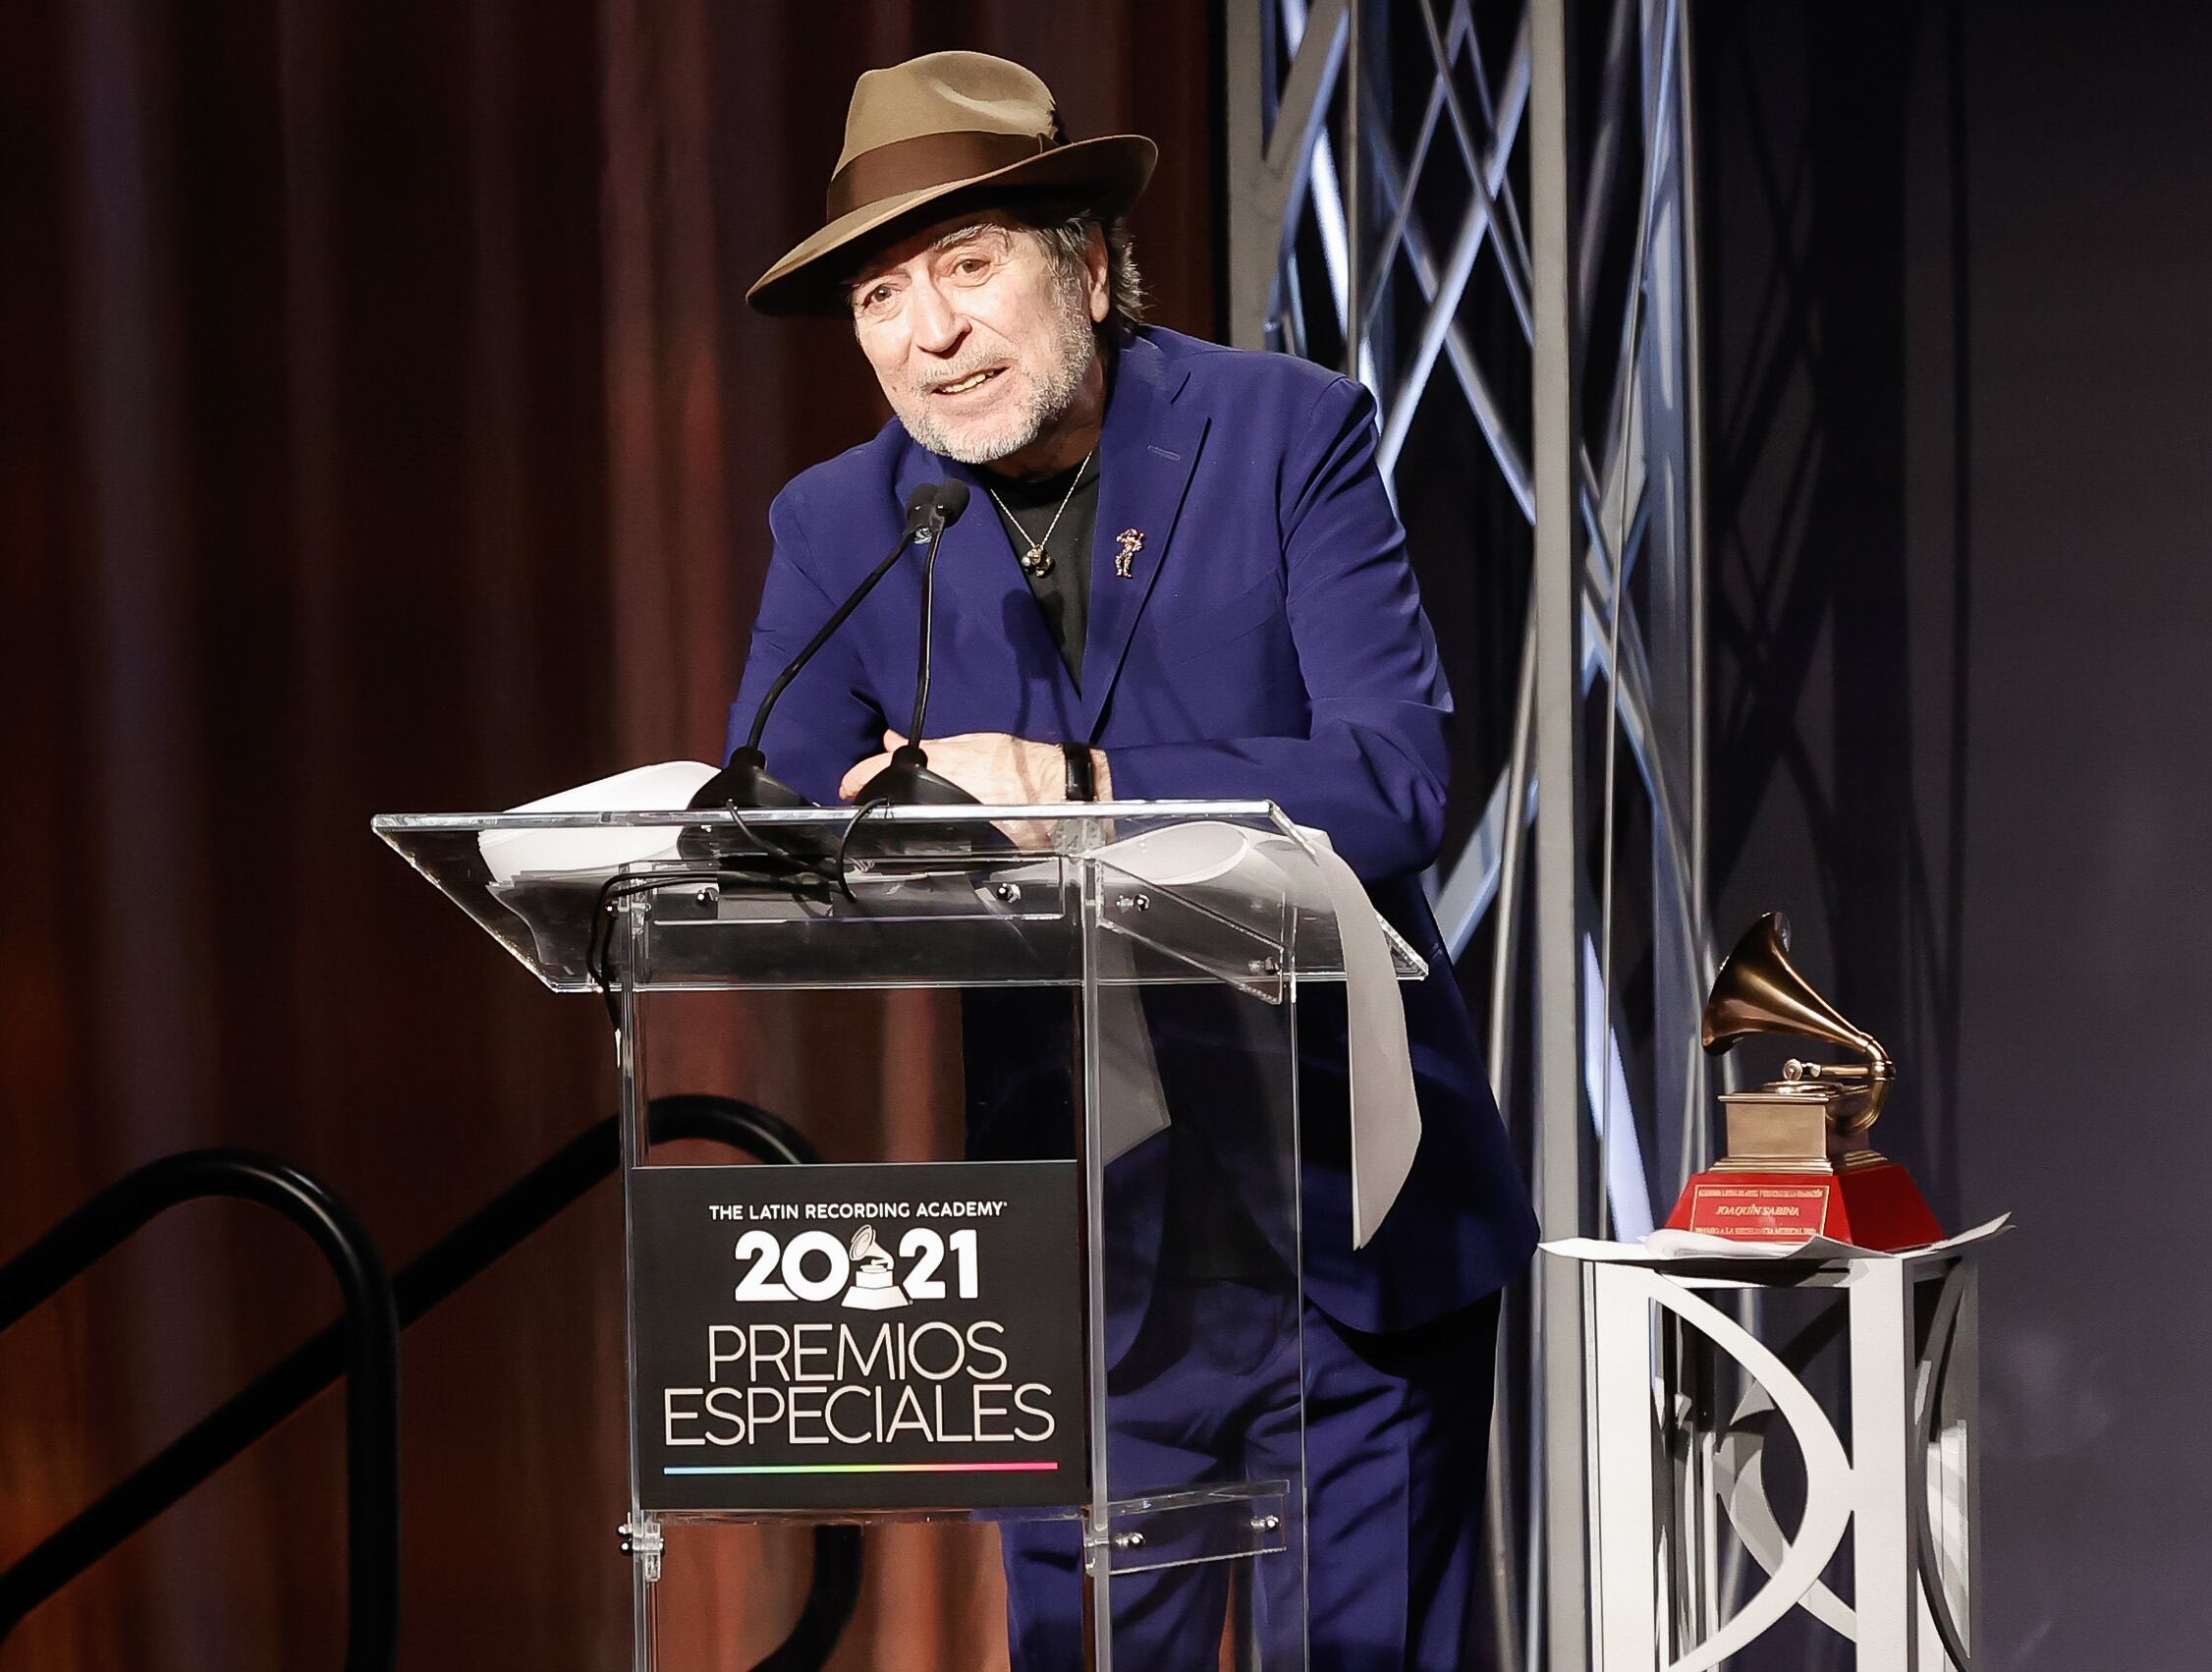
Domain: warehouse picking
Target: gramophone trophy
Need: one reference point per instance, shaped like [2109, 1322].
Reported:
[1797, 1163]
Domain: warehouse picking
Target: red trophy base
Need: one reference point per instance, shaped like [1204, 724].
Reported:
[1876, 1206]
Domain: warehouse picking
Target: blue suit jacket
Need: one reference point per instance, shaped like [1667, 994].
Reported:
[1268, 644]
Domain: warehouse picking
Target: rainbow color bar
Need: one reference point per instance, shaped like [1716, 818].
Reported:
[864, 1468]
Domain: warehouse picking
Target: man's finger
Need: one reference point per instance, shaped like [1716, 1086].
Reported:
[860, 774]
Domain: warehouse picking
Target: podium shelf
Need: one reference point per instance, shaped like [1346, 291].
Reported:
[1190, 892]
[1214, 1522]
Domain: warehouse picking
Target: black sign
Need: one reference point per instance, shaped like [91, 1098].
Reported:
[868, 1337]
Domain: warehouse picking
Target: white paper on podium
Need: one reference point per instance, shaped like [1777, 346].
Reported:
[1386, 1116]
[668, 786]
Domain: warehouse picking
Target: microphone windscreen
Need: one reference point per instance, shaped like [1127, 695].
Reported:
[923, 501]
[951, 499]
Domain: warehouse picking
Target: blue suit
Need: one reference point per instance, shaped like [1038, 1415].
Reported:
[1267, 643]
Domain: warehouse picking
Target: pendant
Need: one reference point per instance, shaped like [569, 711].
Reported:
[1036, 563]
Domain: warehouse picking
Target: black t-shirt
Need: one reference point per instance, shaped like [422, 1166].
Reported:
[1063, 593]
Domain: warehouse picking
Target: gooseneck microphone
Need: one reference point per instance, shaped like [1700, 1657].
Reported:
[744, 783]
[952, 500]
[908, 781]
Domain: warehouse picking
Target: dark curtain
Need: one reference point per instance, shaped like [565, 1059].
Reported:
[381, 430]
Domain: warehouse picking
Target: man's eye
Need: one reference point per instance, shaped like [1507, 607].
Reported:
[969, 265]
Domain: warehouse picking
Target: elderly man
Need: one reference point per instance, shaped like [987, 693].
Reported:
[1179, 576]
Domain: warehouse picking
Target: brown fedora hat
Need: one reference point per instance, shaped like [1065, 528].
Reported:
[936, 135]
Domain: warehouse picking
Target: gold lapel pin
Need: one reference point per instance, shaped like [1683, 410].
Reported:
[1132, 542]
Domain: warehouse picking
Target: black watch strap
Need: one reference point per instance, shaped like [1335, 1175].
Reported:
[1083, 783]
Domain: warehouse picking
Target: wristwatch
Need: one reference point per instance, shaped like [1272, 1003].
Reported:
[1083, 783]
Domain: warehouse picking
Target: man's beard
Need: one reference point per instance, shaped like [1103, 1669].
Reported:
[1052, 384]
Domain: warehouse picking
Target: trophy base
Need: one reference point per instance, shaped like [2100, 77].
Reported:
[1872, 1204]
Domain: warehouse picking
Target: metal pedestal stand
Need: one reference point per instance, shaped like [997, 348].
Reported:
[1674, 1462]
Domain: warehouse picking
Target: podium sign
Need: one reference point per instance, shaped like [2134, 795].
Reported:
[877, 1337]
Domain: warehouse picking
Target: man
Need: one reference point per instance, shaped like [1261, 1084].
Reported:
[1179, 576]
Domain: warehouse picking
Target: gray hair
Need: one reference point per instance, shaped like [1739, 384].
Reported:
[1068, 243]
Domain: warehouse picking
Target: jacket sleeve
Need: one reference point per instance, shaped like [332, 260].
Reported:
[1372, 768]
[826, 719]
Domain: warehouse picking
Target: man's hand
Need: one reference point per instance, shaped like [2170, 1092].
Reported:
[998, 771]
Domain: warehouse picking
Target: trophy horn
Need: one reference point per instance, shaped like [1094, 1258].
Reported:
[1758, 991]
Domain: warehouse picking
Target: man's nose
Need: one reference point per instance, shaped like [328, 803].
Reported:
[936, 328]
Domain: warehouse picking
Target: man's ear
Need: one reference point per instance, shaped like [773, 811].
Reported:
[1101, 288]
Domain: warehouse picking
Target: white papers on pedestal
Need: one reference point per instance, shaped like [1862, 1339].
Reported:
[1665, 1248]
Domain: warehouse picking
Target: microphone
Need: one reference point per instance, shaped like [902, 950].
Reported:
[908, 781]
[744, 783]
[951, 499]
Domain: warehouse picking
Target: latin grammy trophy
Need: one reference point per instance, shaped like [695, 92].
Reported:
[1798, 1162]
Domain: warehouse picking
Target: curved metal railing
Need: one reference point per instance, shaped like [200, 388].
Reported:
[365, 1344]
[343, 1349]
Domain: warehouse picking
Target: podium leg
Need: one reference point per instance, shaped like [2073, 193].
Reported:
[641, 1540]
[641, 1533]
[1098, 1615]
[1098, 1520]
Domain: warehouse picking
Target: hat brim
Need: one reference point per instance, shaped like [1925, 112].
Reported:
[1104, 176]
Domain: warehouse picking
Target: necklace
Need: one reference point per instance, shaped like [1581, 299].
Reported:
[1037, 562]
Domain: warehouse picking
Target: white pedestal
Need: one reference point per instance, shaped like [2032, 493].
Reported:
[1673, 1466]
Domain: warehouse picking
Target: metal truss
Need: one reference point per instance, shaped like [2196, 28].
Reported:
[1413, 200]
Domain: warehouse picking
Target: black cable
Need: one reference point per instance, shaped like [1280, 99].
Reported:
[792, 871]
[845, 842]
[622, 885]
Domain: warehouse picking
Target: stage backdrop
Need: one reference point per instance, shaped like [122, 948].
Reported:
[1957, 362]
[381, 430]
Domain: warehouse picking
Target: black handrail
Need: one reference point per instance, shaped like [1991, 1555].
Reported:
[500, 1225]
[366, 1345]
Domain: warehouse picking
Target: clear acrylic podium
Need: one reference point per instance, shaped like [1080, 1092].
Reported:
[1084, 1326]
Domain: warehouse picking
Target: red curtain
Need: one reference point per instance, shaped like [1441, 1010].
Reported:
[381, 430]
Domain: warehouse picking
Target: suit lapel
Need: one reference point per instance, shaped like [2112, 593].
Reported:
[1145, 455]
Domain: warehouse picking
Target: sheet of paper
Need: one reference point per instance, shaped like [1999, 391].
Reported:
[1386, 1116]
[670, 785]
[1664, 1247]
[1386, 1112]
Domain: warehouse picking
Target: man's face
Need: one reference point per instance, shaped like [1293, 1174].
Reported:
[980, 338]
